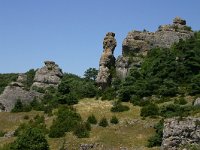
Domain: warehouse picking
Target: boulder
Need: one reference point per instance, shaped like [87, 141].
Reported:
[197, 102]
[15, 91]
[107, 61]
[49, 75]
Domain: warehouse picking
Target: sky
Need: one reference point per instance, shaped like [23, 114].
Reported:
[71, 32]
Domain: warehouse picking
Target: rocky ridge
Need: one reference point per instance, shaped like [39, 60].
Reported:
[137, 44]
[107, 60]
[178, 133]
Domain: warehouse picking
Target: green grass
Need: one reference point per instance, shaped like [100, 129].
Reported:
[132, 131]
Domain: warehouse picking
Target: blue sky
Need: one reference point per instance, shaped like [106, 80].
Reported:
[71, 32]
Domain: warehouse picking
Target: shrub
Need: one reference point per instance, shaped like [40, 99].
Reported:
[118, 107]
[180, 101]
[88, 126]
[150, 110]
[92, 119]
[67, 120]
[114, 120]
[109, 94]
[69, 99]
[103, 122]
[18, 106]
[56, 130]
[2, 133]
[156, 139]
[26, 117]
[81, 131]
[30, 139]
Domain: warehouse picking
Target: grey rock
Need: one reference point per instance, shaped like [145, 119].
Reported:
[49, 75]
[12, 93]
[9, 134]
[177, 133]
[197, 102]
[137, 43]
[107, 60]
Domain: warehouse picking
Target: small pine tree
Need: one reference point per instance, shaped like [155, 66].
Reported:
[114, 120]
[81, 131]
[103, 122]
[92, 119]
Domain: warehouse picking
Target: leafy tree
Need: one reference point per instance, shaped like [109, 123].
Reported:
[30, 78]
[5, 79]
[30, 139]
[150, 110]
[91, 74]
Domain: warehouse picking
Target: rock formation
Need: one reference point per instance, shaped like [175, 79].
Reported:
[13, 92]
[137, 43]
[178, 133]
[107, 61]
[197, 102]
[49, 75]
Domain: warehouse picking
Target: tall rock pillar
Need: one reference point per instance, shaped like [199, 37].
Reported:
[107, 61]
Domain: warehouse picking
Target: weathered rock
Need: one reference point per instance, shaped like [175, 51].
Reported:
[49, 75]
[122, 66]
[137, 43]
[13, 92]
[9, 134]
[197, 102]
[177, 133]
[107, 61]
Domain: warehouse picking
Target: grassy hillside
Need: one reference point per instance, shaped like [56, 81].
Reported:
[132, 131]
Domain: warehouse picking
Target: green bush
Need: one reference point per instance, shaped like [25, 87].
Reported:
[37, 122]
[30, 139]
[156, 139]
[118, 107]
[180, 101]
[69, 99]
[103, 122]
[92, 119]
[109, 94]
[5, 79]
[149, 110]
[81, 131]
[2, 133]
[66, 121]
[114, 120]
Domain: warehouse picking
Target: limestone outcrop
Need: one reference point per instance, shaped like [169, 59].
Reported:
[137, 43]
[107, 61]
[178, 133]
[13, 92]
[49, 75]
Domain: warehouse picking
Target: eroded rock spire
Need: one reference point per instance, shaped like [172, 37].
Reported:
[107, 61]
